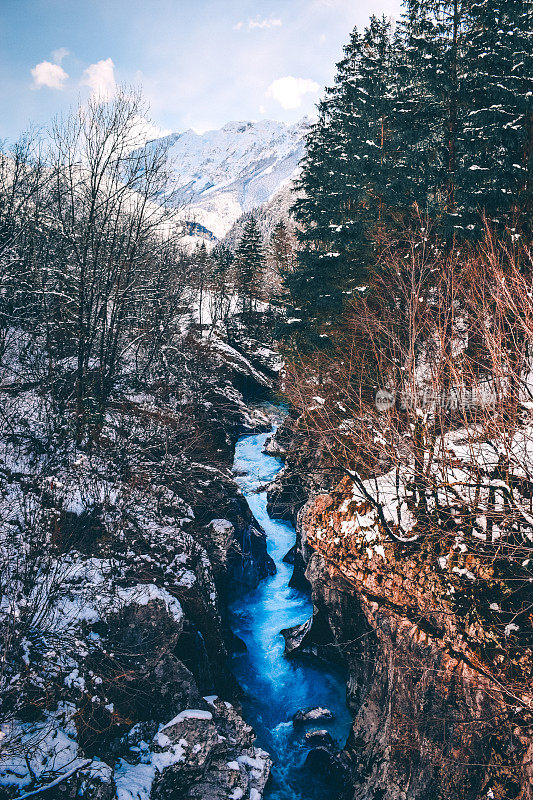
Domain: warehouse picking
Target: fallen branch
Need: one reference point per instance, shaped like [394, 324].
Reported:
[58, 780]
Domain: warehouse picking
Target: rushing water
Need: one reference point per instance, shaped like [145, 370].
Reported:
[276, 687]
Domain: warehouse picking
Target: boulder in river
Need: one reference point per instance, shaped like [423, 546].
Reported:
[295, 636]
[311, 714]
[320, 737]
[274, 448]
[209, 755]
[288, 558]
[237, 644]
[325, 761]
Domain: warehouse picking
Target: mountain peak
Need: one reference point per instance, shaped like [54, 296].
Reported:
[222, 173]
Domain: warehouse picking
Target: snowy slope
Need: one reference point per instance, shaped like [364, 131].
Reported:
[222, 173]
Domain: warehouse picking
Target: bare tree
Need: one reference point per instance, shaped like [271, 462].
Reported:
[111, 204]
[422, 410]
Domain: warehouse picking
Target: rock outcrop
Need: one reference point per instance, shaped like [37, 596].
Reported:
[443, 707]
[311, 715]
[206, 753]
[302, 475]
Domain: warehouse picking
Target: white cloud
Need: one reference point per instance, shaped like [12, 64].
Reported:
[264, 23]
[289, 91]
[47, 74]
[59, 54]
[258, 24]
[100, 78]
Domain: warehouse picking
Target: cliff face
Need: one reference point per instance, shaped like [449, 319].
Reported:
[437, 697]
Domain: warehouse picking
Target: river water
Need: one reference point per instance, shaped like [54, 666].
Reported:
[276, 687]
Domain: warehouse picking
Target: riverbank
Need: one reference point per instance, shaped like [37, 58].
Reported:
[438, 679]
[116, 562]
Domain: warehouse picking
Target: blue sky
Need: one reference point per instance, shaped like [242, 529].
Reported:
[200, 63]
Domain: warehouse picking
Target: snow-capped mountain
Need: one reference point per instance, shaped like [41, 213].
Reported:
[223, 173]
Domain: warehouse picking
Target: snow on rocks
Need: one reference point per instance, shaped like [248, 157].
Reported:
[51, 752]
[35, 757]
[206, 746]
[144, 593]
[207, 753]
[122, 624]
[319, 737]
[239, 363]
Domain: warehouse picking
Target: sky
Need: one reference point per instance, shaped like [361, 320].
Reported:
[200, 63]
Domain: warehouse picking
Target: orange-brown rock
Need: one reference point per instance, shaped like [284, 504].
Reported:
[442, 703]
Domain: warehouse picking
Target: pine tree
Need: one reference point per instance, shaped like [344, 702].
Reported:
[315, 284]
[376, 148]
[497, 164]
[417, 113]
[222, 262]
[466, 95]
[431, 105]
[221, 281]
[434, 118]
[347, 183]
[249, 266]
[201, 269]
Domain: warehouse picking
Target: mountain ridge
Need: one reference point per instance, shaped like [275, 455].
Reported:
[226, 172]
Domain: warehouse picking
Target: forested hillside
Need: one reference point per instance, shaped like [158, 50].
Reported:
[429, 122]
